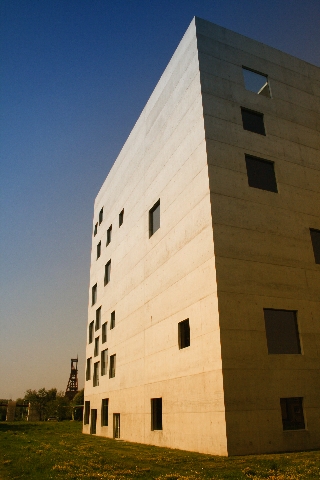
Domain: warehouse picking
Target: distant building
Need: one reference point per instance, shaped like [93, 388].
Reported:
[204, 314]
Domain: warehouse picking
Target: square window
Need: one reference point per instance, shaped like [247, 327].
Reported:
[94, 293]
[292, 413]
[96, 346]
[121, 214]
[184, 334]
[112, 369]
[98, 318]
[109, 231]
[98, 250]
[252, 121]
[107, 272]
[96, 374]
[104, 332]
[104, 412]
[315, 239]
[256, 82]
[156, 413]
[86, 415]
[112, 320]
[282, 331]
[88, 369]
[95, 231]
[100, 216]
[104, 362]
[91, 332]
[261, 174]
[154, 218]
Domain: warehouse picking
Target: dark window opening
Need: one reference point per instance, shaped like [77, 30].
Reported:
[282, 331]
[91, 332]
[96, 347]
[98, 318]
[95, 231]
[109, 231]
[252, 121]
[256, 82]
[98, 250]
[104, 362]
[156, 413]
[86, 415]
[107, 273]
[112, 369]
[121, 214]
[104, 412]
[315, 239]
[100, 216]
[104, 332]
[261, 174]
[113, 320]
[94, 293]
[154, 218]
[292, 413]
[96, 374]
[93, 426]
[116, 425]
[88, 369]
[184, 334]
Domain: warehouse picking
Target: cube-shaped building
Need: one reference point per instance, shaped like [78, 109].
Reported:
[204, 309]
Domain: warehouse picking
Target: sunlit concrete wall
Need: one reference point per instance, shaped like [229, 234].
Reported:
[263, 250]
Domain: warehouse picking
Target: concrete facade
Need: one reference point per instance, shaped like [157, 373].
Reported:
[224, 252]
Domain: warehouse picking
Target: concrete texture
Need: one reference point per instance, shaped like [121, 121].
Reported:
[224, 252]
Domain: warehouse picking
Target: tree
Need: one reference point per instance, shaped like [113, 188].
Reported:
[40, 400]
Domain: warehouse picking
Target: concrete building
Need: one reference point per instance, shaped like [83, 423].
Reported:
[204, 311]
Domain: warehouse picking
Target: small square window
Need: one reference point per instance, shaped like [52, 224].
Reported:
[88, 369]
[156, 413]
[184, 334]
[315, 239]
[104, 332]
[113, 320]
[109, 231]
[282, 331]
[104, 412]
[95, 231]
[121, 214]
[112, 368]
[104, 362]
[98, 250]
[100, 216]
[96, 346]
[86, 415]
[292, 413]
[261, 174]
[107, 272]
[98, 318]
[96, 374]
[154, 218]
[91, 332]
[253, 121]
[94, 293]
[256, 82]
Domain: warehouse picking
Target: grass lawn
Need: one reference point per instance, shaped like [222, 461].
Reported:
[45, 450]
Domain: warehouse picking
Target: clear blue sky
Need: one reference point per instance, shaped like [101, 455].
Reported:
[75, 76]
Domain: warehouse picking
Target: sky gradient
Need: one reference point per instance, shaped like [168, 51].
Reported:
[75, 77]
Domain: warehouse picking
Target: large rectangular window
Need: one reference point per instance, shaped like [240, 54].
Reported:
[98, 250]
[112, 320]
[261, 174]
[156, 413]
[104, 412]
[88, 369]
[93, 425]
[107, 272]
[116, 425]
[292, 413]
[154, 218]
[252, 121]
[104, 362]
[121, 215]
[96, 374]
[95, 231]
[184, 334]
[96, 346]
[94, 293]
[315, 239]
[101, 216]
[91, 332]
[282, 331]
[109, 232]
[104, 332]
[256, 82]
[86, 416]
[112, 368]
[98, 318]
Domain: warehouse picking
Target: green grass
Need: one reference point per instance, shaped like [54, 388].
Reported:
[49, 450]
